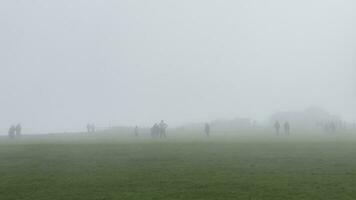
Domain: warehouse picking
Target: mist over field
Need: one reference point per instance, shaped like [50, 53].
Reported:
[178, 100]
[67, 63]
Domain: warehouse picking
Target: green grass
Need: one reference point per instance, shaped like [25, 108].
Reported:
[241, 167]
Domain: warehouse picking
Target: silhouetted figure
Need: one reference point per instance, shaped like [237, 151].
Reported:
[136, 131]
[155, 131]
[207, 129]
[88, 128]
[12, 131]
[162, 129]
[287, 128]
[332, 127]
[277, 126]
[18, 130]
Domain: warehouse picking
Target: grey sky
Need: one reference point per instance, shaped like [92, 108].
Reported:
[64, 63]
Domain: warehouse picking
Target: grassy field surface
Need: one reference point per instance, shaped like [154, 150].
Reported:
[261, 167]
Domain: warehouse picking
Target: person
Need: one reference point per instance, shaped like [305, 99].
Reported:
[155, 131]
[88, 128]
[287, 128]
[18, 130]
[136, 131]
[12, 132]
[207, 129]
[162, 129]
[327, 127]
[332, 127]
[93, 128]
[277, 126]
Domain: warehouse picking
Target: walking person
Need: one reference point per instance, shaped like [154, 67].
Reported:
[155, 131]
[162, 129]
[88, 128]
[11, 132]
[18, 130]
[287, 128]
[207, 129]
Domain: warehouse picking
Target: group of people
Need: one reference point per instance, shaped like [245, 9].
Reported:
[91, 128]
[286, 127]
[159, 130]
[15, 131]
[333, 126]
[330, 127]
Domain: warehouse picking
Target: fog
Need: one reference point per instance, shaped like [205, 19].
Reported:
[67, 63]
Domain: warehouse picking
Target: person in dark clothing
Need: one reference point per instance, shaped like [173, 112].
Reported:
[18, 130]
[207, 129]
[287, 128]
[11, 132]
[88, 128]
[155, 131]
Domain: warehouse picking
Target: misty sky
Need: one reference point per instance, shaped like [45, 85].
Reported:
[65, 63]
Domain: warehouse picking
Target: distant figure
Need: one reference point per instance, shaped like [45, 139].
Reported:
[155, 131]
[11, 132]
[18, 130]
[136, 131]
[277, 126]
[162, 129]
[287, 128]
[88, 128]
[326, 127]
[332, 127]
[254, 123]
[207, 129]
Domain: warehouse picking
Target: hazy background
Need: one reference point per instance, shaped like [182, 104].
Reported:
[64, 63]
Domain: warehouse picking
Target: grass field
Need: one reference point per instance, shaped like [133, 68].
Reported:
[231, 167]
